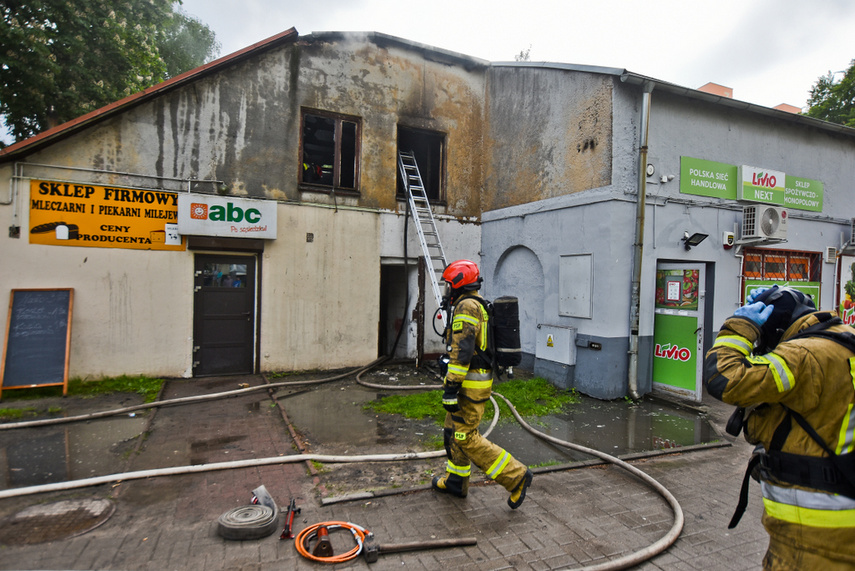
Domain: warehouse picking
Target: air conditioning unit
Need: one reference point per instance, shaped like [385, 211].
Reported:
[764, 221]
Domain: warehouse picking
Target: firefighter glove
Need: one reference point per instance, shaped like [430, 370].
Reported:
[758, 312]
[449, 398]
[755, 293]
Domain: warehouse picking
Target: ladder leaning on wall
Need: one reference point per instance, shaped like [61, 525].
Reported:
[423, 217]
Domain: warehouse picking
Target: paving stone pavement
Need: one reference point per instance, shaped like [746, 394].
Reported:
[570, 518]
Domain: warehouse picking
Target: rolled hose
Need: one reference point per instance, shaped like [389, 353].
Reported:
[248, 522]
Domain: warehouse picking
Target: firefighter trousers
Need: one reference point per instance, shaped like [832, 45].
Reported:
[465, 446]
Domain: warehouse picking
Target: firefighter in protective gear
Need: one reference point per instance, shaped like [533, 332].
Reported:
[466, 389]
[799, 386]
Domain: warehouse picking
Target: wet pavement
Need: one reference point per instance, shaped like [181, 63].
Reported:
[572, 516]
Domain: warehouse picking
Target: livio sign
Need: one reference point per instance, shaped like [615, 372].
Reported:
[205, 215]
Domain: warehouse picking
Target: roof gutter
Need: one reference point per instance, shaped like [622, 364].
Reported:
[638, 246]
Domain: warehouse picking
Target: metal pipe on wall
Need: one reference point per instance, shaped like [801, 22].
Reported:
[638, 247]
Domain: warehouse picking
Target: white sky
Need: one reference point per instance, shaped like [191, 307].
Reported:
[767, 51]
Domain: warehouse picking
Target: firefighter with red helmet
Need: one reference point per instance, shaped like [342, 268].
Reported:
[790, 370]
[467, 386]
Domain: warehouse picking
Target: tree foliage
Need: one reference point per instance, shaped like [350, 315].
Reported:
[64, 58]
[834, 101]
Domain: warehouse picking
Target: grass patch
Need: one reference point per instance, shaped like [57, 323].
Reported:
[145, 386]
[531, 397]
[7, 414]
[414, 405]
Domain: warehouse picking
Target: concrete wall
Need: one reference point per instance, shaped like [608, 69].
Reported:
[133, 310]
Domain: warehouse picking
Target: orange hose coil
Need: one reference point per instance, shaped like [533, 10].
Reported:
[302, 539]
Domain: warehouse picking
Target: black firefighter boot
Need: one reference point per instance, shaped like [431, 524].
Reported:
[451, 484]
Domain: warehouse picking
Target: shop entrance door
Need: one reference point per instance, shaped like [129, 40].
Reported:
[678, 329]
[224, 315]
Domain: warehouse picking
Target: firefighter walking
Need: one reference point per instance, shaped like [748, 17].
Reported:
[796, 396]
[467, 386]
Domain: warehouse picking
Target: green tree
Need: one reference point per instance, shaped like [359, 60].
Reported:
[834, 101]
[186, 43]
[64, 58]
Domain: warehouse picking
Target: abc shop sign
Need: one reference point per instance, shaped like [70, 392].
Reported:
[205, 215]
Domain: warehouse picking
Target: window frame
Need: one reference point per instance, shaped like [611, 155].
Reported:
[339, 119]
[798, 266]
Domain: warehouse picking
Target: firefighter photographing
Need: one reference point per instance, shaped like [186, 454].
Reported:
[467, 385]
[792, 368]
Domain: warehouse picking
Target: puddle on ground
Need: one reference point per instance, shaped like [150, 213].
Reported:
[614, 427]
[333, 418]
[44, 455]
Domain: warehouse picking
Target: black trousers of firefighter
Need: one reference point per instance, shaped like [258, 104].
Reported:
[465, 446]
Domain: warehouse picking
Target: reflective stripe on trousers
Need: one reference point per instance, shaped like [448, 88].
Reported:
[803, 507]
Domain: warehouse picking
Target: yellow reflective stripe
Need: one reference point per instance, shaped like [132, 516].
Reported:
[463, 471]
[780, 371]
[846, 440]
[466, 318]
[470, 384]
[458, 369]
[810, 516]
[460, 436]
[499, 465]
[741, 344]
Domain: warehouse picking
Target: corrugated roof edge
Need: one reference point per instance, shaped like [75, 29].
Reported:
[656, 84]
[36, 142]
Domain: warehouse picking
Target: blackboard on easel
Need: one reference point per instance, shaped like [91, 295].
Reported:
[38, 337]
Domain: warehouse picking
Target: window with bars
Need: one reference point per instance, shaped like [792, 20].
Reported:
[781, 265]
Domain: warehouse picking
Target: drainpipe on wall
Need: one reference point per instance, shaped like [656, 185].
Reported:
[638, 247]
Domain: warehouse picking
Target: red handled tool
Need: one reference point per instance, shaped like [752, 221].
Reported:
[287, 533]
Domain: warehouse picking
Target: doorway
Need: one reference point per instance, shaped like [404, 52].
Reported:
[224, 315]
[678, 328]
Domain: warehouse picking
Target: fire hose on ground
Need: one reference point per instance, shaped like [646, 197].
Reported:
[621, 563]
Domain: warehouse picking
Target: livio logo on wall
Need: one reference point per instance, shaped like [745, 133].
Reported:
[203, 215]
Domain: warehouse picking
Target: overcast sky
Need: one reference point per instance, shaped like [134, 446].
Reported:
[767, 51]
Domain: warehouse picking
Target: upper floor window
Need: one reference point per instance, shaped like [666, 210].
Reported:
[329, 148]
[428, 147]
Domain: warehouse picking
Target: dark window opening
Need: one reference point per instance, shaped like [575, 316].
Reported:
[330, 151]
[428, 147]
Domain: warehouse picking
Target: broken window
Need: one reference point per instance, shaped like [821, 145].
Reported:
[428, 147]
[329, 147]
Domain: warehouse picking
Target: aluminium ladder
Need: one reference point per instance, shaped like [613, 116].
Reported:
[423, 217]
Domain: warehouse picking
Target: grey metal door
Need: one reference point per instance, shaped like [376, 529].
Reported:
[224, 315]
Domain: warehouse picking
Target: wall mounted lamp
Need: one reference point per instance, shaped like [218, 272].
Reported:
[691, 241]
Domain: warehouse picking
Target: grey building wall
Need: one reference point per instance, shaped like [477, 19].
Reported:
[522, 245]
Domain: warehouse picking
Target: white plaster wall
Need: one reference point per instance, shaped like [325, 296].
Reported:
[133, 309]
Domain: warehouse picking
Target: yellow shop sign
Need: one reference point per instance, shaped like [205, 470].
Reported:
[74, 214]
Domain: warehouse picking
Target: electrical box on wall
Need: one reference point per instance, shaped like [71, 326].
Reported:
[556, 343]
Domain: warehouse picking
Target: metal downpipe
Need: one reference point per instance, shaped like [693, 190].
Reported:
[638, 246]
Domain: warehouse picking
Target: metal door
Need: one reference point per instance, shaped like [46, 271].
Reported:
[678, 329]
[224, 315]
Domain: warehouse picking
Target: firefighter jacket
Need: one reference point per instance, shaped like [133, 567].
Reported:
[814, 377]
[468, 332]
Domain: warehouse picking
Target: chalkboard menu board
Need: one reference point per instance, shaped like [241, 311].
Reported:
[38, 334]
